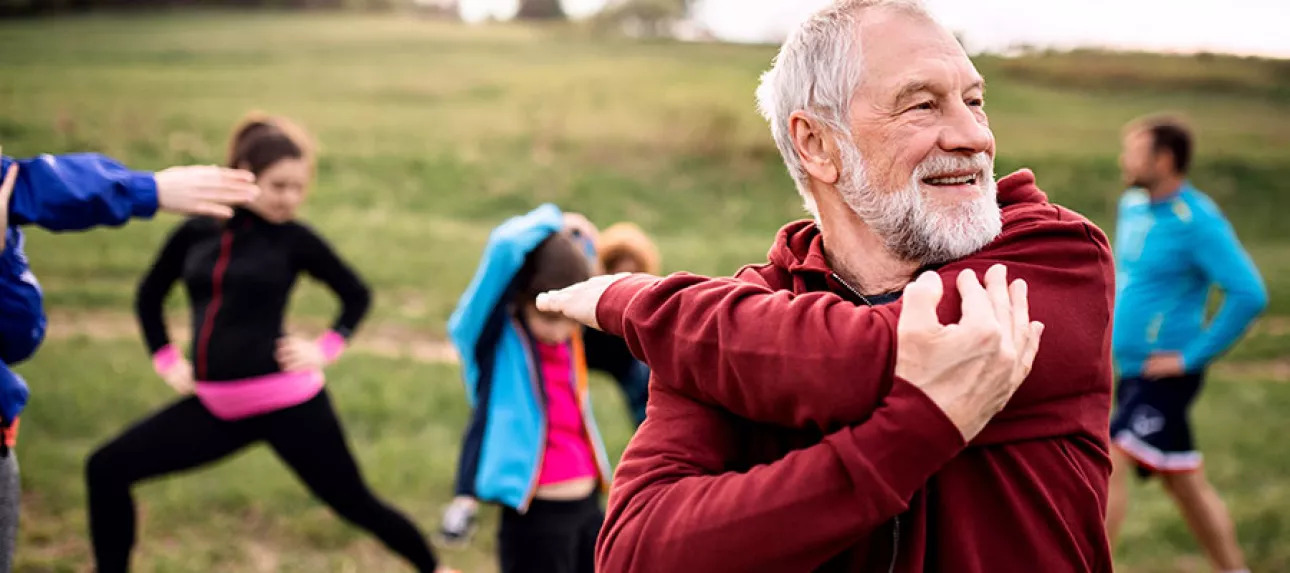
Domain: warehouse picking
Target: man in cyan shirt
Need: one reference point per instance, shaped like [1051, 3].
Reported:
[1172, 245]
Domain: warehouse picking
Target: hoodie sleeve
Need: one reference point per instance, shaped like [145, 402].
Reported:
[765, 355]
[676, 504]
[779, 358]
[78, 191]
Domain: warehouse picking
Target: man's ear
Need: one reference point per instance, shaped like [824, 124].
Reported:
[815, 147]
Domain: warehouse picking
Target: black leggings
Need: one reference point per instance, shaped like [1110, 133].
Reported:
[185, 435]
[552, 537]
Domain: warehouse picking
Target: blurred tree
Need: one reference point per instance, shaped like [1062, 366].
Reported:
[540, 10]
[647, 18]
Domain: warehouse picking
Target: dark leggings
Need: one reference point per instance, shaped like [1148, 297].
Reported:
[552, 537]
[185, 435]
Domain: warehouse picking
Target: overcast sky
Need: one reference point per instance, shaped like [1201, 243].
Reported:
[1235, 26]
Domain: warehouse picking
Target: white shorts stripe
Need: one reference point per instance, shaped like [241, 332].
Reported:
[1155, 459]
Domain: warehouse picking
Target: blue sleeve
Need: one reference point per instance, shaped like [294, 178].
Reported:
[13, 394]
[1224, 262]
[78, 191]
[508, 246]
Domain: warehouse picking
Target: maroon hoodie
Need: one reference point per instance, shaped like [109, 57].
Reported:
[778, 439]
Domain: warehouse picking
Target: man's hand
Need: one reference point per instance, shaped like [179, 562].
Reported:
[1163, 365]
[6, 191]
[180, 377]
[970, 369]
[578, 302]
[204, 190]
[297, 354]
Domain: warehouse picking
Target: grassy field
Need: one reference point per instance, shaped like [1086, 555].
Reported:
[432, 133]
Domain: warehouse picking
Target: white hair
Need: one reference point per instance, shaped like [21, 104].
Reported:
[817, 71]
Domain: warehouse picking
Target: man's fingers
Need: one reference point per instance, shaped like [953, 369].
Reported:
[976, 303]
[552, 301]
[921, 298]
[996, 288]
[1035, 331]
[1019, 295]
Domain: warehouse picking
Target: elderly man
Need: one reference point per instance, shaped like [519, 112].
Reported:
[785, 430]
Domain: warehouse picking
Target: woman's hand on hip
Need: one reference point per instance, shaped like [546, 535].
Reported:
[297, 354]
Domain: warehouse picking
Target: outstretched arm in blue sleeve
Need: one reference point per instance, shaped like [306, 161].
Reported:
[78, 191]
[1220, 256]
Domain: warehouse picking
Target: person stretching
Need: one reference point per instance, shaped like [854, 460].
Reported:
[251, 383]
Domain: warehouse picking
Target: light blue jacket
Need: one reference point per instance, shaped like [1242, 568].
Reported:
[502, 452]
[1168, 254]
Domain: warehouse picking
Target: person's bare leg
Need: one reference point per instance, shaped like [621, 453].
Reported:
[1118, 495]
[1208, 518]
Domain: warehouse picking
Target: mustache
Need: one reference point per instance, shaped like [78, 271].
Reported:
[942, 165]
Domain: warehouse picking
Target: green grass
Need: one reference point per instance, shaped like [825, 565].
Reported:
[432, 133]
[403, 421]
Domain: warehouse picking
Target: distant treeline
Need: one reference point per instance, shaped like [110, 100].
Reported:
[535, 9]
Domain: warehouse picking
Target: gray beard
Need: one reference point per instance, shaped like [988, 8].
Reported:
[913, 228]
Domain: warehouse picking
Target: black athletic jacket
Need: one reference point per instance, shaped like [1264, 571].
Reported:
[239, 275]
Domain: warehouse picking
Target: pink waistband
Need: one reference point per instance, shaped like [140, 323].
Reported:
[237, 399]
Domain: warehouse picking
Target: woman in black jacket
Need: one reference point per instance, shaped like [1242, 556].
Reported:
[248, 381]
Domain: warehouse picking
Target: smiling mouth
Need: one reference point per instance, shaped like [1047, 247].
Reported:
[950, 181]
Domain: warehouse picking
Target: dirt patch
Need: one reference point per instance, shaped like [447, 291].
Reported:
[1277, 369]
[387, 341]
[1273, 325]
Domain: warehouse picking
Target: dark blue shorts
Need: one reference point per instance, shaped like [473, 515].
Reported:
[1150, 422]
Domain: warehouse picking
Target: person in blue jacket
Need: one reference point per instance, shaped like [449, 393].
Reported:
[532, 445]
[75, 192]
[1172, 245]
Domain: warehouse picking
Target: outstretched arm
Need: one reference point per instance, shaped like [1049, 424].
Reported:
[80, 191]
[809, 360]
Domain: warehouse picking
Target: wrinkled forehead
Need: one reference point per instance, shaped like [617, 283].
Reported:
[899, 49]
